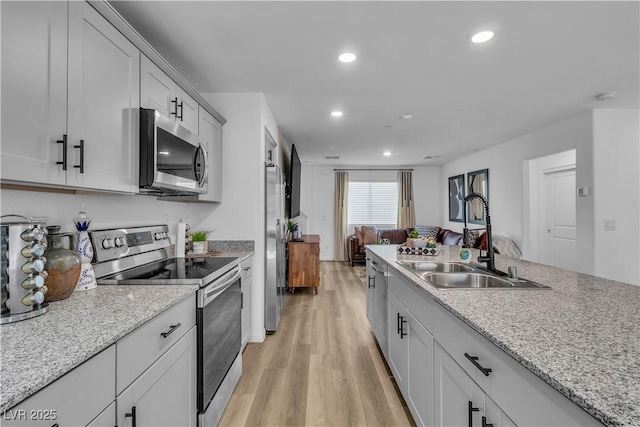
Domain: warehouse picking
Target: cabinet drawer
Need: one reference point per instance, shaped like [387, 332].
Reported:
[74, 399]
[142, 347]
[528, 400]
[420, 305]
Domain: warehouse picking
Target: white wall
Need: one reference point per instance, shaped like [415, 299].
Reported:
[240, 216]
[107, 210]
[616, 140]
[317, 198]
[606, 143]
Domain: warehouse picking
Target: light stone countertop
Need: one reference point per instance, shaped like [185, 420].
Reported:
[35, 352]
[582, 336]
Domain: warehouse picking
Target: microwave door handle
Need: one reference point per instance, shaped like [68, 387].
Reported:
[206, 165]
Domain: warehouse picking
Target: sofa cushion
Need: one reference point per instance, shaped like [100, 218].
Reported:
[370, 234]
[396, 236]
[359, 234]
[428, 230]
[449, 237]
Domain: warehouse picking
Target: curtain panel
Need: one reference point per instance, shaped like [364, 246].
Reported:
[341, 214]
[406, 208]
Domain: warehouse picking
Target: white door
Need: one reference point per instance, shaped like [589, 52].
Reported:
[559, 249]
[420, 385]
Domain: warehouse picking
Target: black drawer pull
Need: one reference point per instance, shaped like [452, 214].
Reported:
[484, 422]
[64, 152]
[402, 332]
[174, 101]
[181, 116]
[471, 411]
[473, 360]
[170, 331]
[81, 147]
[132, 415]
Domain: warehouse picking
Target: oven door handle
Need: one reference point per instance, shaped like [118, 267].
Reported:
[218, 288]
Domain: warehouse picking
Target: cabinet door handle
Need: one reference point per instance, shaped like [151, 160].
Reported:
[473, 360]
[132, 415]
[369, 283]
[241, 300]
[175, 112]
[471, 411]
[170, 331]
[402, 332]
[181, 111]
[64, 152]
[484, 422]
[398, 322]
[81, 147]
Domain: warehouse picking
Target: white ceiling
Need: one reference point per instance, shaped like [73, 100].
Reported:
[547, 62]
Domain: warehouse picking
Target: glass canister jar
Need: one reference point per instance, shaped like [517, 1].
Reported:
[62, 266]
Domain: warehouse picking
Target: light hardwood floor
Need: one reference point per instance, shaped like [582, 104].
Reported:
[322, 367]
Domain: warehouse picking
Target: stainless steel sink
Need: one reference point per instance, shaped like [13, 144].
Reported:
[477, 281]
[441, 267]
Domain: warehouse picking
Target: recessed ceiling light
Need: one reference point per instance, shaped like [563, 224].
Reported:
[407, 116]
[606, 96]
[386, 153]
[164, 153]
[482, 36]
[336, 113]
[347, 57]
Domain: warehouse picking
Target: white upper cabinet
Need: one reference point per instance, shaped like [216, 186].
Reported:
[159, 92]
[34, 90]
[104, 103]
[210, 131]
[59, 51]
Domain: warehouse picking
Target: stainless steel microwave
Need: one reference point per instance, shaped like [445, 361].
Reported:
[172, 158]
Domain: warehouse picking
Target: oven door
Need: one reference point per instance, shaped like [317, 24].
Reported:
[171, 157]
[219, 333]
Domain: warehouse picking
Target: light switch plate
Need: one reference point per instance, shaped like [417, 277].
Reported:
[609, 224]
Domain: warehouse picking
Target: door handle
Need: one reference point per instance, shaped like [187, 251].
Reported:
[471, 411]
[64, 152]
[474, 360]
[132, 415]
[81, 147]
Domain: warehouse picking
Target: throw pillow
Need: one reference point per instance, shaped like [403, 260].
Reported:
[360, 235]
[474, 235]
[481, 242]
[370, 233]
[428, 230]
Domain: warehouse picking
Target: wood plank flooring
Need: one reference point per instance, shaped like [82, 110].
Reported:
[322, 367]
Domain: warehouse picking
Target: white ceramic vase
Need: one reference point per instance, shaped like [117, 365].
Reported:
[199, 247]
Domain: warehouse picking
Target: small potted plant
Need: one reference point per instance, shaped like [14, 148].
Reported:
[413, 234]
[292, 227]
[199, 239]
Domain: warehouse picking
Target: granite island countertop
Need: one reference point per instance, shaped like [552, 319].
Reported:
[582, 336]
[37, 351]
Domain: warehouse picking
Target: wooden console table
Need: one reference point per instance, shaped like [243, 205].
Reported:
[304, 263]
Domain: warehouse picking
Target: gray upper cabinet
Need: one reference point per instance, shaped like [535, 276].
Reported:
[70, 97]
[210, 131]
[159, 92]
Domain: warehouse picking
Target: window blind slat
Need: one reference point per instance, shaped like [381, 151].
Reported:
[373, 203]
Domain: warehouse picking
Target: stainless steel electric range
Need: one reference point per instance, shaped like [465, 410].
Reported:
[138, 256]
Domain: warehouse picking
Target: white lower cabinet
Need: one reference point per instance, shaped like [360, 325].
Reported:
[107, 418]
[165, 394]
[377, 299]
[410, 359]
[75, 399]
[458, 400]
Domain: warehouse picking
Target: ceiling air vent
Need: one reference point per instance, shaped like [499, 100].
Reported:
[331, 157]
[431, 157]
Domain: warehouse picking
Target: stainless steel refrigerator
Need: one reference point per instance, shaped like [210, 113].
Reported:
[275, 253]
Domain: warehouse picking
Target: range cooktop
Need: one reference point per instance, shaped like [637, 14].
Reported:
[178, 271]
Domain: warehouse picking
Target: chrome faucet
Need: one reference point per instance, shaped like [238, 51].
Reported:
[488, 258]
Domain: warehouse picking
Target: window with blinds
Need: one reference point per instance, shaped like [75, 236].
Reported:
[374, 203]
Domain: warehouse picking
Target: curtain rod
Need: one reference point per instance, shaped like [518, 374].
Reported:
[344, 170]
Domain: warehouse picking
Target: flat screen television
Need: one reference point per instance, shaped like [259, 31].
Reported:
[295, 169]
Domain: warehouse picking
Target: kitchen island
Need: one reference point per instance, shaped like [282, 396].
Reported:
[582, 336]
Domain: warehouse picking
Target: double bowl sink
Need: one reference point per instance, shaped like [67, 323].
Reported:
[452, 275]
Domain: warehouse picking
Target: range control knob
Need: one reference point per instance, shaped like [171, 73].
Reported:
[106, 244]
[119, 242]
[157, 236]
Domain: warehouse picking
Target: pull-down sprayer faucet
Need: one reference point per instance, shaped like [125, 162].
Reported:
[488, 258]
